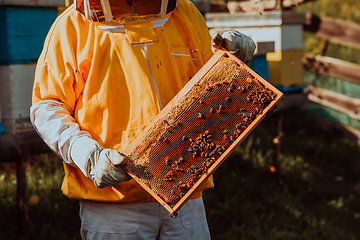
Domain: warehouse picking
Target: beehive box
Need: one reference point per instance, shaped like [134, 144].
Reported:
[24, 25]
[198, 129]
[23, 32]
[16, 83]
[202, 5]
[2, 128]
[277, 34]
[33, 3]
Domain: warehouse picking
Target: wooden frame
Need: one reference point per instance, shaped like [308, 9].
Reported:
[143, 138]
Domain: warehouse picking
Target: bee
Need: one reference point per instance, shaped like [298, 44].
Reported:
[177, 169]
[231, 87]
[236, 134]
[241, 89]
[227, 99]
[207, 164]
[209, 88]
[200, 115]
[168, 179]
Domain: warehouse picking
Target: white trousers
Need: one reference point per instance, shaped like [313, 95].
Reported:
[148, 221]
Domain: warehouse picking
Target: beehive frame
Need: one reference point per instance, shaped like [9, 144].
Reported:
[198, 129]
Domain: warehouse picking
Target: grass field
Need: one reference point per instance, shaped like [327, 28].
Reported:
[314, 195]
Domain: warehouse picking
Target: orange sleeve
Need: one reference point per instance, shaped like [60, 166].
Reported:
[57, 76]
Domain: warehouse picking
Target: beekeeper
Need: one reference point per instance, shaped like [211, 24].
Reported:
[107, 69]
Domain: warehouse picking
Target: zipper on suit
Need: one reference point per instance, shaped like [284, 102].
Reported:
[152, 76]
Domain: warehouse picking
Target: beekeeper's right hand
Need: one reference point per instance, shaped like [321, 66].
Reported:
[102, 165]
[54, 123]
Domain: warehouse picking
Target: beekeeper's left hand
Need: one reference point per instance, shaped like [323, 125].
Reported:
[237, 43]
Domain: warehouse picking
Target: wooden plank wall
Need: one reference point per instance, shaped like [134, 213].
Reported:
[334, 30]
[341, 106]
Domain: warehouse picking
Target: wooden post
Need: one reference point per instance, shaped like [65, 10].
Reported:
[277, 140]
[279, 5]
[23, 221]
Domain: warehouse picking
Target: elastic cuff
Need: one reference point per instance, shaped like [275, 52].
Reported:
[82, 149]
[92, 159]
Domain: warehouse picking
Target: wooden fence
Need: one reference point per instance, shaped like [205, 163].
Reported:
[341, 102]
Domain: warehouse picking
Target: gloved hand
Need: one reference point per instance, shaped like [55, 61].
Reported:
[237, 43]
[54, 123]
[102, 165]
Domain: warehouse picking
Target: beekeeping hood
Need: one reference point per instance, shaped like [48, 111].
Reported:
[112, 12]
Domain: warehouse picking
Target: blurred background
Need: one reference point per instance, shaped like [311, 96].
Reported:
[296, 176]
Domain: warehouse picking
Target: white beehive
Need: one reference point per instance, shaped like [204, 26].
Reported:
[16, 83]
[277, 34]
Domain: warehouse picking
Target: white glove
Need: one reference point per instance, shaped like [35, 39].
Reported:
[237, 43]
[102, 165]
[54, 123]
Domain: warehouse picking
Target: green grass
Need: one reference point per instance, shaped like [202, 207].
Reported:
[314, 195]
[51, 214]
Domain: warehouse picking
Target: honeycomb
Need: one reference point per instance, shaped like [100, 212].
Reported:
[195, 133]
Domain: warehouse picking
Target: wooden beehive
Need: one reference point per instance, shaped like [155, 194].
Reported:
[16, 82]
[198, 129]
[24, 27]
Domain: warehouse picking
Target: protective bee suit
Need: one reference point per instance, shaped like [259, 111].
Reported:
[107, 69]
